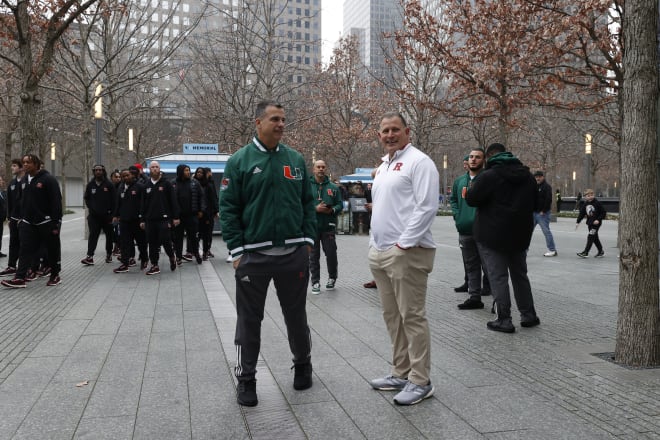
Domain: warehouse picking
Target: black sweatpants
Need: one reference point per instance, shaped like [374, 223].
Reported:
[129, 235]
[32, 237]
[188, 225]
[290, 274]
[159, 234]
[96, 225]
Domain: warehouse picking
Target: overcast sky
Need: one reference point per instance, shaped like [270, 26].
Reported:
[332, 18]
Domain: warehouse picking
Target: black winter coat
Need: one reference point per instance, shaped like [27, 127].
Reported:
[505, 197]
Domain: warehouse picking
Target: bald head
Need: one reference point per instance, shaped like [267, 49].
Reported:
[319, 170]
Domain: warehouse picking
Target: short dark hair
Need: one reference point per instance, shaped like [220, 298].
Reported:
[18, 162]
[260, 110]
[389, 115]
[494, 149]
[479, 149]
[34, 159]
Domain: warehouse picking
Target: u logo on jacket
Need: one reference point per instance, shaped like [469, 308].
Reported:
[289, 175]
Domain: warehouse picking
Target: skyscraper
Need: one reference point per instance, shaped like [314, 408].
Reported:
[368, 20]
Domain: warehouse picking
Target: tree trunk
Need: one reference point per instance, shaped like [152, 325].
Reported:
[638, 341]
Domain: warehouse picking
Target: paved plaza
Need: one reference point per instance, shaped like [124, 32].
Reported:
[129, 356]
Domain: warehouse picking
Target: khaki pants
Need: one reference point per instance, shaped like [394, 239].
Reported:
[401, 277]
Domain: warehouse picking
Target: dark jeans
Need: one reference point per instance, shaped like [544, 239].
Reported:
[290, 274]
[31, 237]
[131, 234]
[498, 266]
[329, 243]
[188, 225]
[206, 232]
[473, 269]
[14, 243]
[592, 238]
[159, 234]
[96, 225]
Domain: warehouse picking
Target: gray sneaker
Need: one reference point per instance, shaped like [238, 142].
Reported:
[412, 394]
[388, 383]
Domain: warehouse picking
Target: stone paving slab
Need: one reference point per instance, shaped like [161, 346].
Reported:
[157, 354]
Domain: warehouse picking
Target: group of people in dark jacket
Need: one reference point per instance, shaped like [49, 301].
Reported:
[151, 212]
[34, 206]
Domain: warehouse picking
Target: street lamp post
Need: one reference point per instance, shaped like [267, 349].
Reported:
[52, 158]
[98, 118]
[444, 186]
[587, 153]
[574, 175]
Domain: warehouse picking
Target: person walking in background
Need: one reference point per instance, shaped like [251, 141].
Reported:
[116, 179]
[505, 196]
[269, 224]
[209, 209]
[464, 219]
[212, 198]
[159, 213]
[328, 205]
[14, 212]
[464, 287]
[3, 212]
[190, 199]
[543, 212]
[99, 197]
[127, 215]
[558, 199]
[405, 196]
[593, 210]
[41, 220]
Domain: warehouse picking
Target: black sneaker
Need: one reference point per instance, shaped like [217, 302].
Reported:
[16, 283]
[179, 262]
[108, 258]
[8, 271]
[246, 393]
[302, 378]
[54, 280]
[31, 276]
[600, 254]
[463, 288]
[153, 270]
[471, 304]
[132, 262]
[198, 258]
[187, 257]
[88, 261]
[172, 264]
[121, 269]
[530, 322]
[44, 272]
[144, 264]
[503, 325]
[582, 254]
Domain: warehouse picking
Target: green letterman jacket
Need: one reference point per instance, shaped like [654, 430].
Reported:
[328, 193]
[266, 200]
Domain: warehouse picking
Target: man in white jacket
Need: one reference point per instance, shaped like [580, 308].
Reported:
[405, 196]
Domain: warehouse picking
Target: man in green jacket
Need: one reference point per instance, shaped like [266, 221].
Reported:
[464, 218]
[328, 205]
[268, 221]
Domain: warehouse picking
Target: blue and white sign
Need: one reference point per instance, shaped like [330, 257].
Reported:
[200, 148]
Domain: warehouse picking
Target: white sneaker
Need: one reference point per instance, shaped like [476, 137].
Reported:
[316, 289]
[550, 254]
[228, 259]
